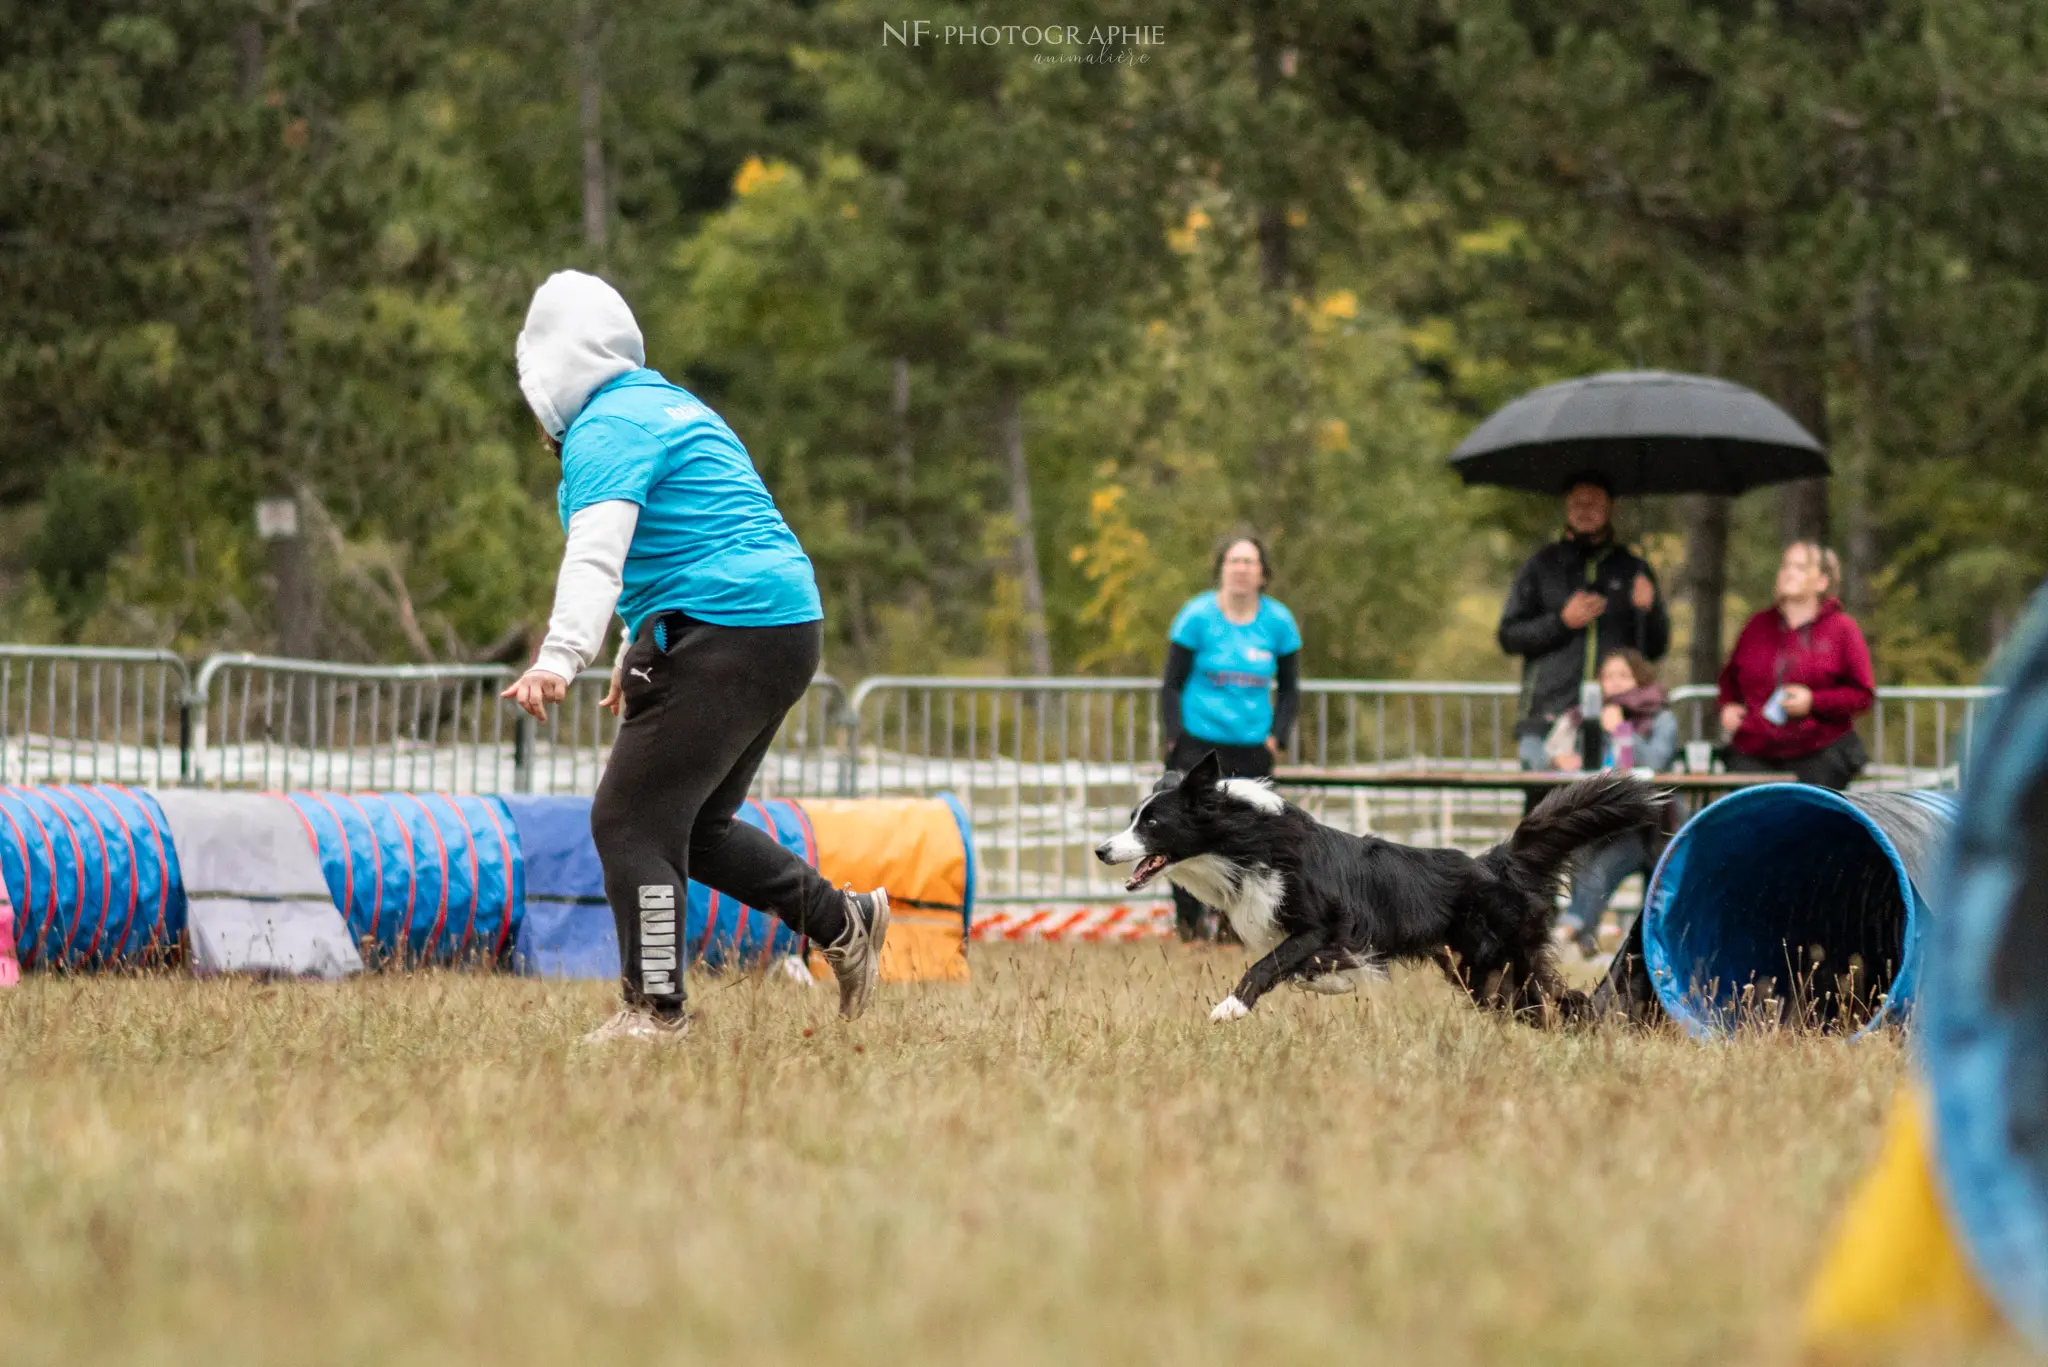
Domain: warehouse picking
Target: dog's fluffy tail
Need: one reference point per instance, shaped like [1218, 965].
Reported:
[1572, 817]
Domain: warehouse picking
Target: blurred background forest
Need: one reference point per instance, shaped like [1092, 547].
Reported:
[1013, 337]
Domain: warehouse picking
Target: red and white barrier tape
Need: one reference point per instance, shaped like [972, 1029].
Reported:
[1087, 921]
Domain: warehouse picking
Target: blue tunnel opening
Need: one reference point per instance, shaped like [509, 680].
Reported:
[1984, 1032]
[1790, 904]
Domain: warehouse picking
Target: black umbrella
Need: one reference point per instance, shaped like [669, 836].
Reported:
[1647, 431]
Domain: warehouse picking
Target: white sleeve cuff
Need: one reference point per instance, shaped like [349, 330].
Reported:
[587, 589]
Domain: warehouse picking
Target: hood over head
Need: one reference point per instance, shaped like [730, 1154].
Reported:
[579, 336]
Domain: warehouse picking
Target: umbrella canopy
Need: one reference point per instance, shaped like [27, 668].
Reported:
[1646, 431]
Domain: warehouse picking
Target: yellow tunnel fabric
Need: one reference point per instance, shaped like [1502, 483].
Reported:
[914, 847]
[1896, 1273]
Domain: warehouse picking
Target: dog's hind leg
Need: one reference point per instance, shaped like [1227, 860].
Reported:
[1532, 988]
[1338, 972]
[1522, 980]
[1288, 958]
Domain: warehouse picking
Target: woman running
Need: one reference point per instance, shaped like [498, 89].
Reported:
[668, 521]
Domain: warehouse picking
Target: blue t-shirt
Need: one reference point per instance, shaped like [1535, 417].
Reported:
[1229, 698]
[710, 541]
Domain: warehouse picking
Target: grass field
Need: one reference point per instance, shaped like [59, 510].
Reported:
[1062, 1163]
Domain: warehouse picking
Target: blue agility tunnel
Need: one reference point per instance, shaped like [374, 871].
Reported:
[568, 931]
[422, 877]
[1983, 1039]
[93, 876]
[1789, 902]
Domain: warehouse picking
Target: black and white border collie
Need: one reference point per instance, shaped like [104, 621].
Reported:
[1327, 911]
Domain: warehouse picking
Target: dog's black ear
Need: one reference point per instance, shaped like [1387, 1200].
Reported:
[1207, 773]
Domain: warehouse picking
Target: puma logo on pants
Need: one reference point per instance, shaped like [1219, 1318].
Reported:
[660, 969]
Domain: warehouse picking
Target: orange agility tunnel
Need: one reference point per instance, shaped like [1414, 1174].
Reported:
[920, 849]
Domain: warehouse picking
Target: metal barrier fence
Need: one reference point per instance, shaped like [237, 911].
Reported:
[279, 724]
[1047, 767]
[91, 715]
[1362, 723]
[1916, 736]
[1044, 766]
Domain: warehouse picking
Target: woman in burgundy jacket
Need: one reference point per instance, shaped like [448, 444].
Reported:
[1798, 677]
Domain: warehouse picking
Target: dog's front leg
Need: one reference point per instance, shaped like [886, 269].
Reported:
[1287, 959]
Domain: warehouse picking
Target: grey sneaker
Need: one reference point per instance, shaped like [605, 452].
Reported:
[633, 1023]
[856, 956]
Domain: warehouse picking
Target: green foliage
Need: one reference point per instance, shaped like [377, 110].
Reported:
[251, 250]
[87, 520]
[1343, 476]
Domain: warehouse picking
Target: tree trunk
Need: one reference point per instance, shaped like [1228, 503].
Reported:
[1010, 433]
[1803, 392]
[1802, 389]
[1859, 555]
[1276, 249]
[1803, 511]
[294, 605]
[1271, 63]
[1706, 580]
[590, 111]
[857, 618]
[899, 413]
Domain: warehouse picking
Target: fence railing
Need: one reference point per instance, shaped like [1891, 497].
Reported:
[1916, 736]
[1044, 766]
[91, 715]
[259, 722]
[1362, 723]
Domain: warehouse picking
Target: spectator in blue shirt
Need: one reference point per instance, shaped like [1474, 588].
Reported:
[1226, 652]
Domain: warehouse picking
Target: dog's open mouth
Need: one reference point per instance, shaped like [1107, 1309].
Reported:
[1147, 869]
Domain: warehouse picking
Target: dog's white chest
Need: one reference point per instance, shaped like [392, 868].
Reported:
[1249, 897]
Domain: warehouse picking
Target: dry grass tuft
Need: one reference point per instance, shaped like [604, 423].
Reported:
[1062, 1163]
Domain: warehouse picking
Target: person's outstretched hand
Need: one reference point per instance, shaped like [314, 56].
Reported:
[535, 689]
[1644, 594]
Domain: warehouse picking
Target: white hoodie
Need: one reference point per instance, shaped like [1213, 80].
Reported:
[580, 336]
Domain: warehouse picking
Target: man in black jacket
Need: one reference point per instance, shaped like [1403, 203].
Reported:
[1572, 602]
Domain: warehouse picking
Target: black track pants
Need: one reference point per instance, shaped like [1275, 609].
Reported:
[699, 717]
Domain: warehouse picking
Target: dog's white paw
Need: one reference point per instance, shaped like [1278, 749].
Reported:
[1230, 1009]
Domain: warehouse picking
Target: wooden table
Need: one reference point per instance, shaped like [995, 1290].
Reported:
[1309, 776]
